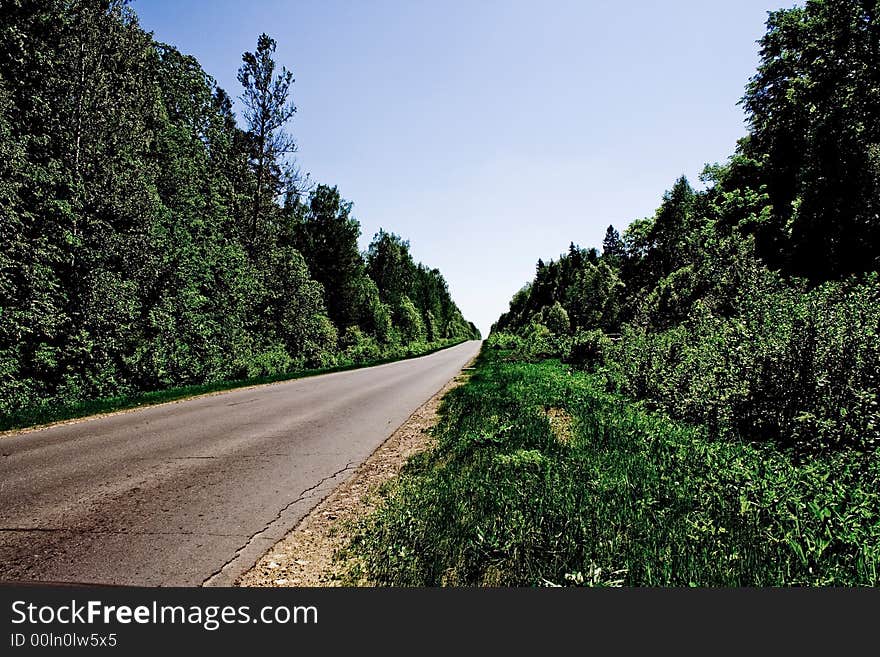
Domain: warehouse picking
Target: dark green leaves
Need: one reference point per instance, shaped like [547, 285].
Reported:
[149, 241]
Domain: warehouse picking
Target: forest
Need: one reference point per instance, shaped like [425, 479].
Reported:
[752, 306]
[154, 238]
[697, 402]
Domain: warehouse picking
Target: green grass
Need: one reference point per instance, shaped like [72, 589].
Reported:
[49, 413]
[619, 496]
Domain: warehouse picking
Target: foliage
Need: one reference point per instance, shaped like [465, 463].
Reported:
[556, 319]
[409, 320]
[400, 279]
[750, 307]
[358, 347]
[589, 348]
[152, 242]
[814, 121]
[327, 236]
[798, 367]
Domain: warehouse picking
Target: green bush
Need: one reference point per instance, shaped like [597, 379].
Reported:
[318, 346]
[794, 366]
[505, 341]
[556, 319]
[588, 348]
[358, 347]
[271, 361]
[409, 321]
[540, 342]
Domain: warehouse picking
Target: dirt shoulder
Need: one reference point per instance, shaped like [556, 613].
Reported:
[307, 556]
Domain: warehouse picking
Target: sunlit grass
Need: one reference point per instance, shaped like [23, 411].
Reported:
[630, 498]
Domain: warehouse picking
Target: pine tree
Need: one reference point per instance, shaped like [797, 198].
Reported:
[613, 249]
[267, 110]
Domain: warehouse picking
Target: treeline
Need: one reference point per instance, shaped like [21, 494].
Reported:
[751, 307]
[152, 239]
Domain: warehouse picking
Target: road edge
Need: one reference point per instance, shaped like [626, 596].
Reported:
[306, 555]
[12, 433]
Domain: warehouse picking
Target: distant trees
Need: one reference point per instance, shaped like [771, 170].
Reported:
[149, 239]
[671, 230]
[613, 248]
[390, 264]
[405, 287]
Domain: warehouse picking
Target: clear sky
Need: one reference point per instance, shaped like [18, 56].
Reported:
[493, 133]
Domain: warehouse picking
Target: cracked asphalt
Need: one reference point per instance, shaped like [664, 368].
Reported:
[193, 492]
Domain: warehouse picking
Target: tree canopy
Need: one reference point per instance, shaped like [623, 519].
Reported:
[153, 239]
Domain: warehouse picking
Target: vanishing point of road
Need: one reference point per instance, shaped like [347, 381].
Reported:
[191, 493]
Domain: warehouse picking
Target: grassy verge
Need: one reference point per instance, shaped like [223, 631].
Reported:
[541, 477]
[50, 413]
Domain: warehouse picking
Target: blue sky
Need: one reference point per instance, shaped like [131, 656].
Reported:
[491, 134]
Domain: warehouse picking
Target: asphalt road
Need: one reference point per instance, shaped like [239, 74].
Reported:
[193, 492]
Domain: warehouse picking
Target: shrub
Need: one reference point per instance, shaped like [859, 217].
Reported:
[799, 367]
[556, 319]
[502, 340]
[272, 360]
[409, 321]
[540, 342]
[588, 348]
[358, 347]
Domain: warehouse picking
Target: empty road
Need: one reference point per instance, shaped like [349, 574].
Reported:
[193, 492]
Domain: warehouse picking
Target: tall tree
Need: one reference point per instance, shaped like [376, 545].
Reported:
[672, 228]
[267, 109]
[327, 237]
[613, 248]
[814, 117]
[391, 266]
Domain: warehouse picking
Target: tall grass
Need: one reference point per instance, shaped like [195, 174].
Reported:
[621, 496]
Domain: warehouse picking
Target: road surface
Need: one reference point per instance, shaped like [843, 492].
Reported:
[193, 492]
